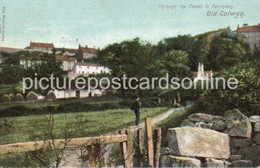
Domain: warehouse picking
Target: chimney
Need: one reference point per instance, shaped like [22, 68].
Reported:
[86, 46]
[238, 26]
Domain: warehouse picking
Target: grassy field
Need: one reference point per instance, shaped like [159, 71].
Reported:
[106, 121]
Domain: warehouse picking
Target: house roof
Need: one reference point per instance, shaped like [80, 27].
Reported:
[248, 29]
[62, 58]
[87, 64]
[42, 45]
[10, 50]
[88, 50]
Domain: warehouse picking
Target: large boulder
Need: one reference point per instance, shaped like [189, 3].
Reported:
[218, 125]
[200, 117]
[234, 114]
[198, 142]
[176, 161]
[241, 129]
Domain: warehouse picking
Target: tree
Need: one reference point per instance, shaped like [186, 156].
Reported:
[227, 51]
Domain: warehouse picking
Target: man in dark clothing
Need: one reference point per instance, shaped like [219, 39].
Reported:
[136, 108]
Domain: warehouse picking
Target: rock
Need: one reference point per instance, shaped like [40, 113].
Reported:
[251, 153]
[242, 163]
[187, 123]
[254, 119]
[203, 125]
[198, 142]
[176, 161]
[165, 151]
[235, 157]
[233, 151]
[257, 127]
[219, 125]
[210, 162]
[234, 114]
[257, 138]
[240, 143]
[241, 129]
[231, 123]
[200, 117]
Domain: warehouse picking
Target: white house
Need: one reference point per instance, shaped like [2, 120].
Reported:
[67, 62]
[90, 68]
[201, 74]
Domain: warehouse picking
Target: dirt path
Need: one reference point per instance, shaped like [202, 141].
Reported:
[156, 119]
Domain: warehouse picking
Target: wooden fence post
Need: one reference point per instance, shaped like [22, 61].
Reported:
[129, 147]
[140, 145]
[124, 150]
[92, 161]
[158, 139]
[149, 139]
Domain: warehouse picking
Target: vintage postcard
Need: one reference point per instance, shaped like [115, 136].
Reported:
[129, 83]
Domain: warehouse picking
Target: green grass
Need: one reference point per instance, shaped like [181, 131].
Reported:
[25, 126]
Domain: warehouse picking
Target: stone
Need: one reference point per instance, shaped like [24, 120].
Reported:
[234, 114]
[240, 143]
[236, 157]
[231, 123]
[219, 125]
[200, 117]
[233, 151]
[242, 163]
[257, 138]
[254, 119]
[210, 162]
[203, 125]
[251, 153]
[187, 123]
[198, 142]
[177, 161]
[241, 129]
[165, 151]
[257, 127]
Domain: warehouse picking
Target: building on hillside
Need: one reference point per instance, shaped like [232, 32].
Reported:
[86, 69]
[67, 62]
[201, 74]
[252, 34]
[68, 52]
[28, 62]
[10, 50]
[41, 47]
[86, 53]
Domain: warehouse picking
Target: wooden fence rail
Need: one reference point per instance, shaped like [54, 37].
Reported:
[74, 142]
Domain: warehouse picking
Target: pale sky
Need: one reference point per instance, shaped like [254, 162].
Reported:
[101, 22]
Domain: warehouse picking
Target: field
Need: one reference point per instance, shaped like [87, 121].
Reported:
[24, 127]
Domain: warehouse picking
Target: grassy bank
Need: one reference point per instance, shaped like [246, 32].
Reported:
[106, 121]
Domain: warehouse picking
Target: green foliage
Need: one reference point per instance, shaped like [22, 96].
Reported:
[245, 98]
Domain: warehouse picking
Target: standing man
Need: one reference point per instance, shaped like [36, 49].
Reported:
[136, 108]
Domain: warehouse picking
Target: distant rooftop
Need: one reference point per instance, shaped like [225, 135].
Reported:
[246, 29]
[42, 45]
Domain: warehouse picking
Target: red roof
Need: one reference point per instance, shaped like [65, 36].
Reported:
[248, 29]
[88, 50]
[87, 64]
[62, 58]
[42, 45]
